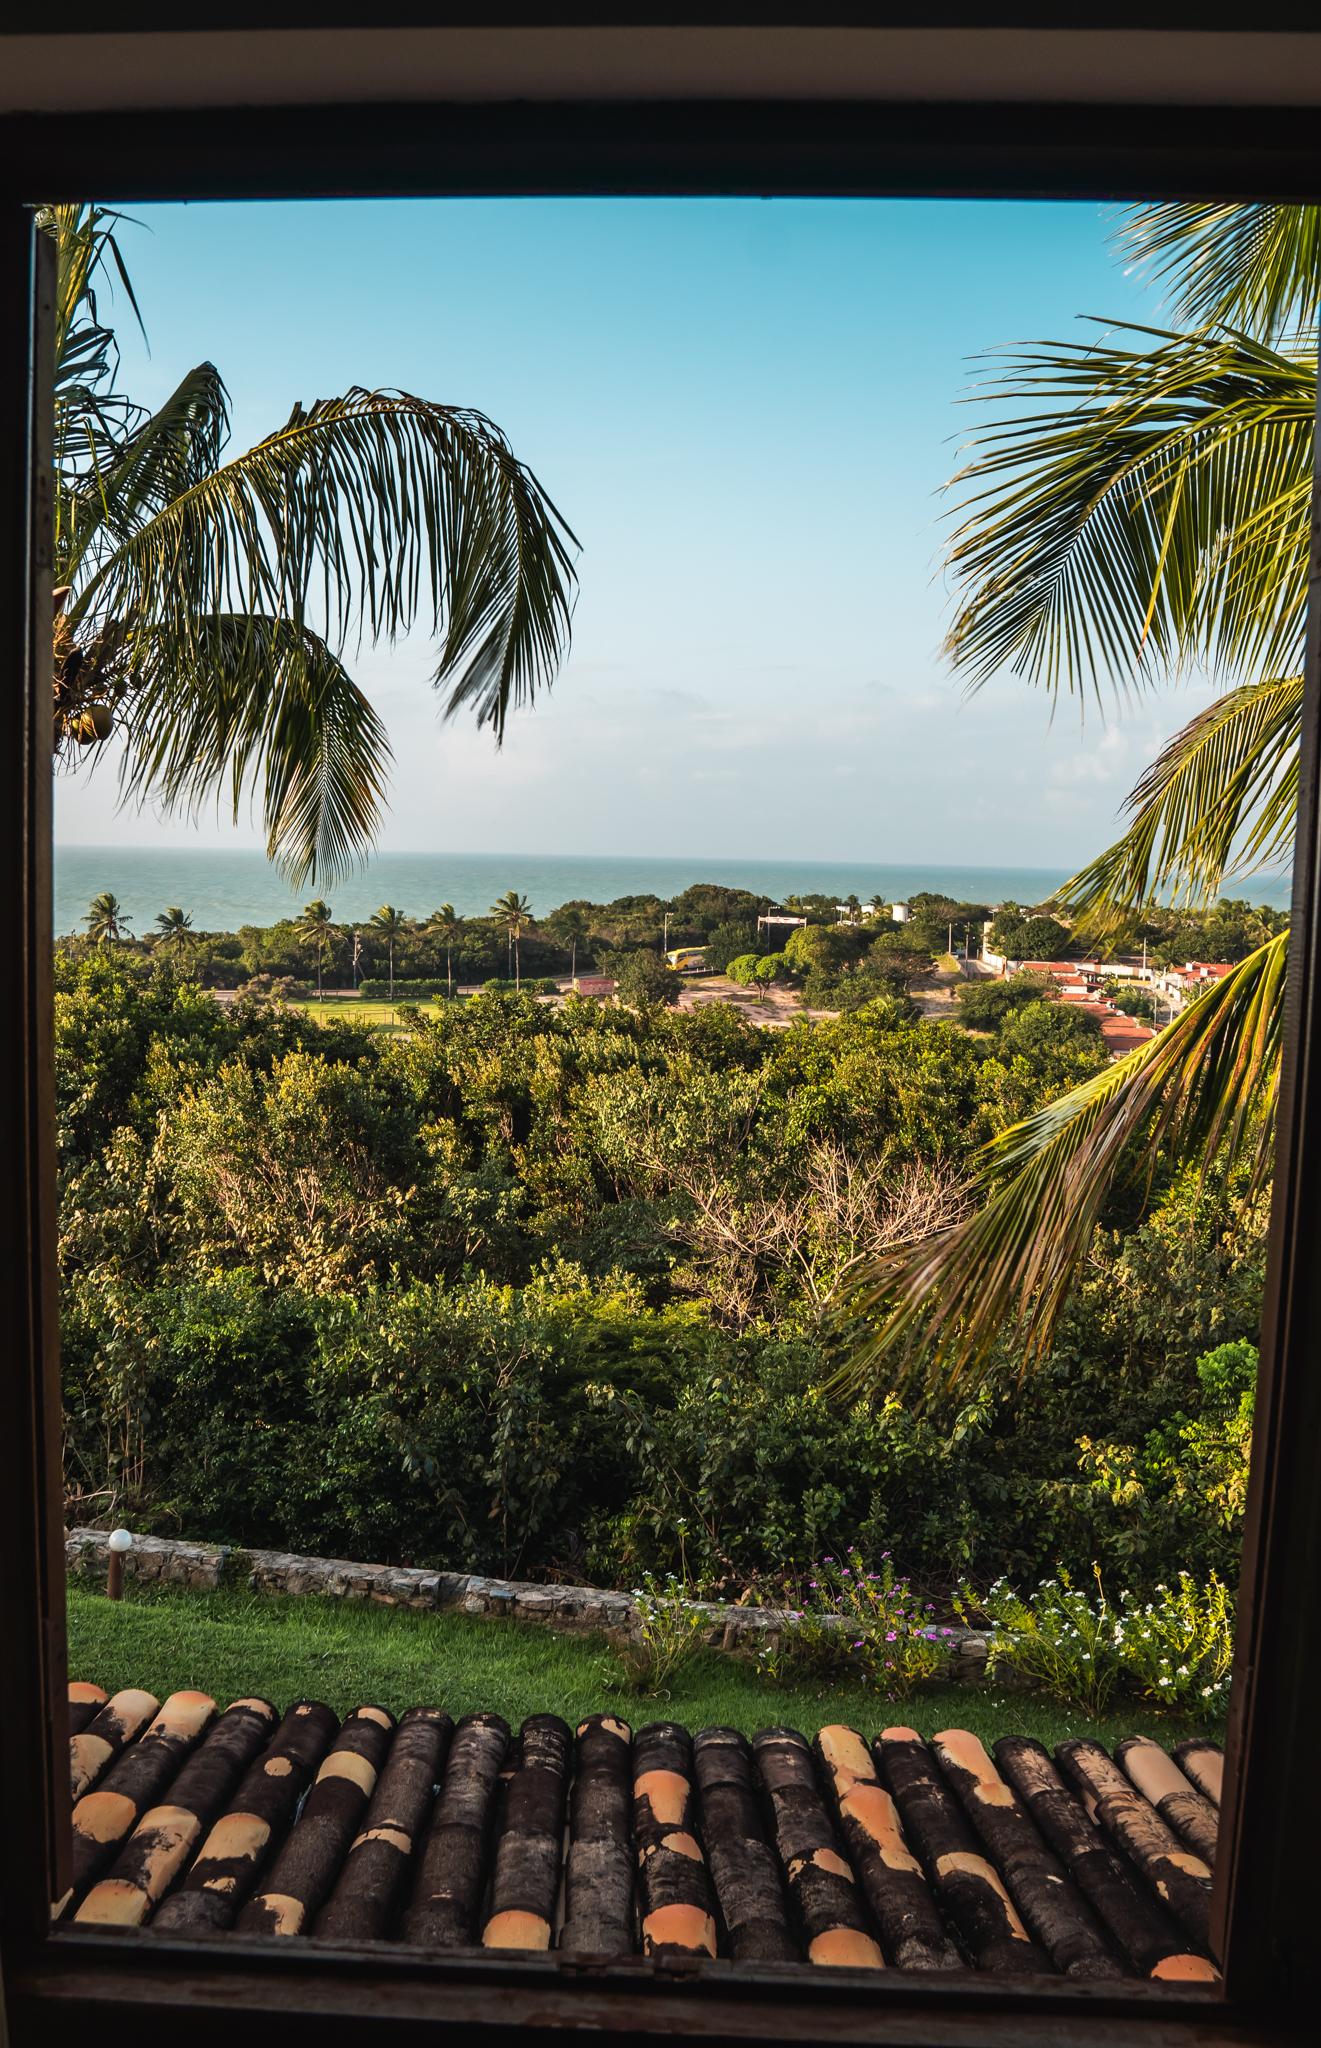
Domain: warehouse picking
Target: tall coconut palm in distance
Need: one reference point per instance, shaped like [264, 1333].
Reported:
[316, 927]
[574, 928]
[1144, 504]
[205, 600]
[513, 914]
[448, 927]
[105, 919]
[389, 922]
[175, 929]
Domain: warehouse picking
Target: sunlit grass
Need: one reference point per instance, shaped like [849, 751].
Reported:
[353, 1009]
[233, 1643]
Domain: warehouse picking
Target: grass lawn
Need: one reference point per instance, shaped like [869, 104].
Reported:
[234, 1643]
[357, 1011]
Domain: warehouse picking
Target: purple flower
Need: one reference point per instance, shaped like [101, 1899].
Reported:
[890, 1636]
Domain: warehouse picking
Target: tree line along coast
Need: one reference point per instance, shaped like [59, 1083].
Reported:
[838, 954]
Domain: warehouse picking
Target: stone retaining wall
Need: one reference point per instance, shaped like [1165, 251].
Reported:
[580, 1609]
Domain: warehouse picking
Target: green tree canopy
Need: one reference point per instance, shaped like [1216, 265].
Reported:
[726, 941]
[1029, 938]
[646, 978]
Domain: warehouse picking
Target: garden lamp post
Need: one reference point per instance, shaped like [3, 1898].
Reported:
[121, 1542]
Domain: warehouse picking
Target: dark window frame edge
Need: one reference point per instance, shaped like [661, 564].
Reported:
[1036, 150]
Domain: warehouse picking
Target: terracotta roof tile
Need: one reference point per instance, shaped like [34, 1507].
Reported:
[835, 1854]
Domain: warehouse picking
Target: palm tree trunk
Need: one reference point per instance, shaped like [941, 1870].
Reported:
[392, 971]
[449, 968]
[518, 983]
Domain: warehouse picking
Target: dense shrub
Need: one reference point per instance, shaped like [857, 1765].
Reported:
[544, 1288]
[1171, 1651]
[411, 991]
[859, 1626]
[564, 1427]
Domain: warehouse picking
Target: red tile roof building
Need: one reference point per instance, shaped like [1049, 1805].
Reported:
[1078, 982]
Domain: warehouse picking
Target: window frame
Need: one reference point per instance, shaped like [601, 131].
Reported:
[1272, 1812]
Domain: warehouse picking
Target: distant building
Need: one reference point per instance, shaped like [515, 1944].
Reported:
[1178, 985]
[899, 913]
[1080, 983]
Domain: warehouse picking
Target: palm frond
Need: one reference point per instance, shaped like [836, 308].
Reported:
[1152, 509]
[87, 247]
[91, 417]
[360, 515]
[269, 711]
[1220, 799]
[1257, 267]
[134, 476]
[1205, 1084]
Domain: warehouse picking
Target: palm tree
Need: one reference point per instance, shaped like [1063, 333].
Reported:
[175, 927]
[105, 919]
[204, 602]
[1146, 504]
[513, 914]
[573, 929]
[389, 922]
[315, 925]
[448, 927]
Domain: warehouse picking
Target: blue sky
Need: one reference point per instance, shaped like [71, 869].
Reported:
[746, 410]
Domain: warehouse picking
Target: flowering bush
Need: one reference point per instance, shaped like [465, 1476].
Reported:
[1177, 1648]
[1057, 1639]
[670, 1630]
[1173, 1650]
[854, 1624]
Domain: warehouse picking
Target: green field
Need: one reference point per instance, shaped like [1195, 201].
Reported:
[233, 1643]
[355, 1010]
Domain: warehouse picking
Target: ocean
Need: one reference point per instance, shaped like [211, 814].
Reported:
[222, 889]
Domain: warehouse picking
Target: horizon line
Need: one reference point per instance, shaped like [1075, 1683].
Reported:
[453, 853]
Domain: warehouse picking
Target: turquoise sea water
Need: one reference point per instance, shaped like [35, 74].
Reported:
[222, 890]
